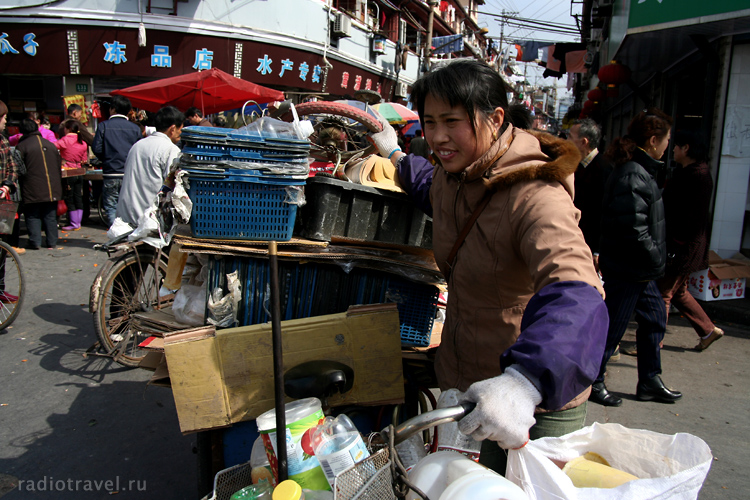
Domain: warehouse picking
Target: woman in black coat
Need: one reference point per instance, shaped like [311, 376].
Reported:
[687, 197]
[632, 253]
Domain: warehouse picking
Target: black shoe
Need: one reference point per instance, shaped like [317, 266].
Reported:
[32, 247]
[655, 390]
[600, 395]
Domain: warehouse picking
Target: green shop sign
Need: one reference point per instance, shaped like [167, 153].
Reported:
[650, 12]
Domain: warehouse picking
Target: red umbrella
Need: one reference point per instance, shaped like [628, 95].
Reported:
[210, 91]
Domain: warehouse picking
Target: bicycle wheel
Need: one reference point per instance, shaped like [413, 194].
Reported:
[100, 210]
[12, 287]
[339, 129]
[132, 285]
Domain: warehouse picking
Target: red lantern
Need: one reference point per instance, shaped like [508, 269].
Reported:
[613, 90]
[589, 106]
[596, 94]
[614, 73]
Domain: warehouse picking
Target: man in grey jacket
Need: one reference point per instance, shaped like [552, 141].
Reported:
[148, 164]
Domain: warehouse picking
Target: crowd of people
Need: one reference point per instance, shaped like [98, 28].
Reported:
[134, 160]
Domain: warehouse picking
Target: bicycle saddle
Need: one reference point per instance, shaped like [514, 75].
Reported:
[320, 379]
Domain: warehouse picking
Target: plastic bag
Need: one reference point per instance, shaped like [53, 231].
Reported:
[669, 466]
[189, 305]
[222, 312]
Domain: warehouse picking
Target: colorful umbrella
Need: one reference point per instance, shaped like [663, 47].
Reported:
[210, 91]
[396, 113]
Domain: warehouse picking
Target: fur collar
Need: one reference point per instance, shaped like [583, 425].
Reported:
[521, 156]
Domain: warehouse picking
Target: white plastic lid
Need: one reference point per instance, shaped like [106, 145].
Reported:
[296, 410]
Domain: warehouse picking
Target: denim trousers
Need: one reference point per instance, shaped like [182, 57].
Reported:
[110, 197]
[38, 215]
[551, 424]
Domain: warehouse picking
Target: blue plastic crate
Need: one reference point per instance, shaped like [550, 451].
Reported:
[316, 289]
[241, 209]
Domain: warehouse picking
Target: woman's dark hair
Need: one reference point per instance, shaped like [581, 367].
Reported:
[3, 109]
[28, 126]
[467, 83]
[697, 149]
[648, 123]
[168, 116]
[72, 127]
[519, 116]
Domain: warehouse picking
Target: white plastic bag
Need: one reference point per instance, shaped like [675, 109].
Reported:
[189, 305]
[668, 466]
[222, 311]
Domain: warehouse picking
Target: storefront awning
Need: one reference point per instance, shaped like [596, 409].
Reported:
[647, 36]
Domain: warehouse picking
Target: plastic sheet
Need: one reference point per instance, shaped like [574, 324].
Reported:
[222, 311]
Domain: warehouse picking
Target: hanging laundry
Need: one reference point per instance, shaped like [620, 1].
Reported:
[531, 50]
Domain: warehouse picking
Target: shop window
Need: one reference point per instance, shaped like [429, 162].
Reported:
[355, 8]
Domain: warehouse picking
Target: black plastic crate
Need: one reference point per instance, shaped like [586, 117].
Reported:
[337, 208]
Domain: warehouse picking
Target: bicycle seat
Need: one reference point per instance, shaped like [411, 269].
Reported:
[320, 379]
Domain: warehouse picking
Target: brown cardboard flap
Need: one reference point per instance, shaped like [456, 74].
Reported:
[217, 381]
[725, 269]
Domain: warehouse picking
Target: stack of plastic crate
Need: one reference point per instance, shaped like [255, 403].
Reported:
[243, 186]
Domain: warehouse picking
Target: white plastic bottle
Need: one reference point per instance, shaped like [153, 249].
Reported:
[338, 446]
[449, 437]
[446, 475]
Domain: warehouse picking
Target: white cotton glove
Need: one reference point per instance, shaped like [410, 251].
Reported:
[504, 411]
[386, 140]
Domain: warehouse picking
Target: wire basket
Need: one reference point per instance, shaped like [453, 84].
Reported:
[370, 479]
[8, 211]
[228, 481]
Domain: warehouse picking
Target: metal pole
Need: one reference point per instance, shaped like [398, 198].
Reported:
[430, 20]
[278, 363]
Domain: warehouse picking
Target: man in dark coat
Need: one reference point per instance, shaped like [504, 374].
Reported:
[41, 187]
[112, 142]
[590, 178]
[75, 112]
[194, 116]
[687, 198]
[418, 146]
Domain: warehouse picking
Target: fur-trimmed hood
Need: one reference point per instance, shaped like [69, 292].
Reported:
[519, 156]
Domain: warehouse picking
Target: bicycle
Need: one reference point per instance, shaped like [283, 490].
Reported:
[129, 283]
[12, 287]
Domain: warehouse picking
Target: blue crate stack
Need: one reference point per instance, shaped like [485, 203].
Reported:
[243, 186]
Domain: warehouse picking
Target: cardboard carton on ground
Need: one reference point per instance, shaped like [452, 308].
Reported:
[221, 379]
[724, 279]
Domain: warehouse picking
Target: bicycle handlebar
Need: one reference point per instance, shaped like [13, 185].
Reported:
[404, 431]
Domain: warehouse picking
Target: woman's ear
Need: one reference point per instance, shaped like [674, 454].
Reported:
[498, 118]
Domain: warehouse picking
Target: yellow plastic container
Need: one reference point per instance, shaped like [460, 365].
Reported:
[588, 471]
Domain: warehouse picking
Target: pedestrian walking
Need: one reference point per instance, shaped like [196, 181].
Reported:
[41, 186]
[112, 142]
[687, 197]
[633, 253]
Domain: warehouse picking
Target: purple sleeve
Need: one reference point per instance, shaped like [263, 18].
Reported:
[563, 333]
[415, 175]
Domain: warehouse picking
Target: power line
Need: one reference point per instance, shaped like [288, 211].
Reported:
[531, 21]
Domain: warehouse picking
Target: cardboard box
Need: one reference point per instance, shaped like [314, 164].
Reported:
[227, 377]
[724, 279]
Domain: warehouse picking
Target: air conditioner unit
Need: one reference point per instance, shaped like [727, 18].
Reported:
[401, 90]
[342, 25]
[402, 31]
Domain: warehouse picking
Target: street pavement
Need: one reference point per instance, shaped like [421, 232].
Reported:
[69, 423]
